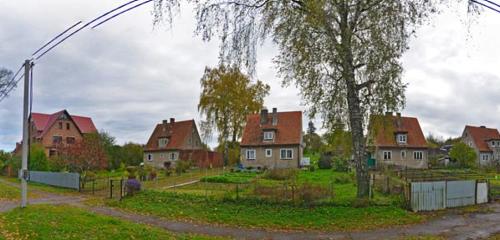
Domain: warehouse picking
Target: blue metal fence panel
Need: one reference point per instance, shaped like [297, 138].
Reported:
[67, 180]
[460, 193]
[428, 196]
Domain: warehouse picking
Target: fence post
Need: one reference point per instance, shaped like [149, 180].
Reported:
[121, 189]
[111, 188]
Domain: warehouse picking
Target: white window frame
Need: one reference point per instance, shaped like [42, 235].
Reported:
[268, 135]
[160, 142]
[403, 154]
[416, 155]
[286, 150]
[387, 155]
[402, 138]
[247, 154]
[172, 156]
[150, 157]
[485, 157]
[270, 151]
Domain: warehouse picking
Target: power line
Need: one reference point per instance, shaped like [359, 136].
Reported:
[12, 83]
[11, 87]
[492, 3]
[12, 79]
[84, 26]
[484, 5]
[120, 13]
[56, 37]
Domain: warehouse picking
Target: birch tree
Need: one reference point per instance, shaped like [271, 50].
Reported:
[343, 55]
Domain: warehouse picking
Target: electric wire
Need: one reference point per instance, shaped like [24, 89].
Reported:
[120, 13]
[484, 5]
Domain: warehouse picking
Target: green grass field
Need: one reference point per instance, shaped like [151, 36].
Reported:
[8, 192]
[252, 213]
[65, 222]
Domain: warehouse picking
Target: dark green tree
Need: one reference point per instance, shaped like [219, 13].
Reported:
[464, 155]
[38, 160]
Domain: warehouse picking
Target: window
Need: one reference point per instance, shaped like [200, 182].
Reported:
[67, 126]
[162, 142]
[286, 153]
[56, 139]
[401, 138]
[268, 135]
[403, 154]
[387, 155]
[418, 155]
[70, 140]
[52, 152]
[269, 152]
[173, 156]
[60, 125]
[250, 154]
[485, 157]
[150, 157]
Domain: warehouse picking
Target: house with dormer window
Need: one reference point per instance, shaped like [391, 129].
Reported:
[173, 141]
[485, 141]
[397, 140]
[272, 140]
[57, 129]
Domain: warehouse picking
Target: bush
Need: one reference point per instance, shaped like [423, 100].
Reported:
[340, 164]
[281, 174]
[325, 161]
[309, 194]
[312, 168]
[132, 172]
[342, 179]
[182, 166]
[132, 186]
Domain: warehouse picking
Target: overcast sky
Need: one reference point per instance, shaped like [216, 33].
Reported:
[128, 76]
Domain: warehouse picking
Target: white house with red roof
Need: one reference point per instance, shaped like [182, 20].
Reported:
[56, 129]
[272, 140]
[485, 141]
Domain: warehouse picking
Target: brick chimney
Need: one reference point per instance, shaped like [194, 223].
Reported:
[388, 113]
[275, 116]
[165, 122]
[172, 120]
[263, 116]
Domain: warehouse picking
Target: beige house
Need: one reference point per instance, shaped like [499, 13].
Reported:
[272, 140]
[397, 140]
[486, 143]
[169, 141]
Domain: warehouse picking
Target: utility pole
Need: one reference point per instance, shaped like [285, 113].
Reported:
[24, 164]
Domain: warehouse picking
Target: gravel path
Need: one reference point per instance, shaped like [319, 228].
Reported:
[451, 226]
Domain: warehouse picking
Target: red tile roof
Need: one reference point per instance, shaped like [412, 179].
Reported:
[385, 127]
[177, 132]
[481, 135]
[43, 122]
[288, 129]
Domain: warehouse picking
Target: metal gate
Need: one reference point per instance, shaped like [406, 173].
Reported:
[460, 193]
[482, 192]
[435, 195]
[428, 196]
